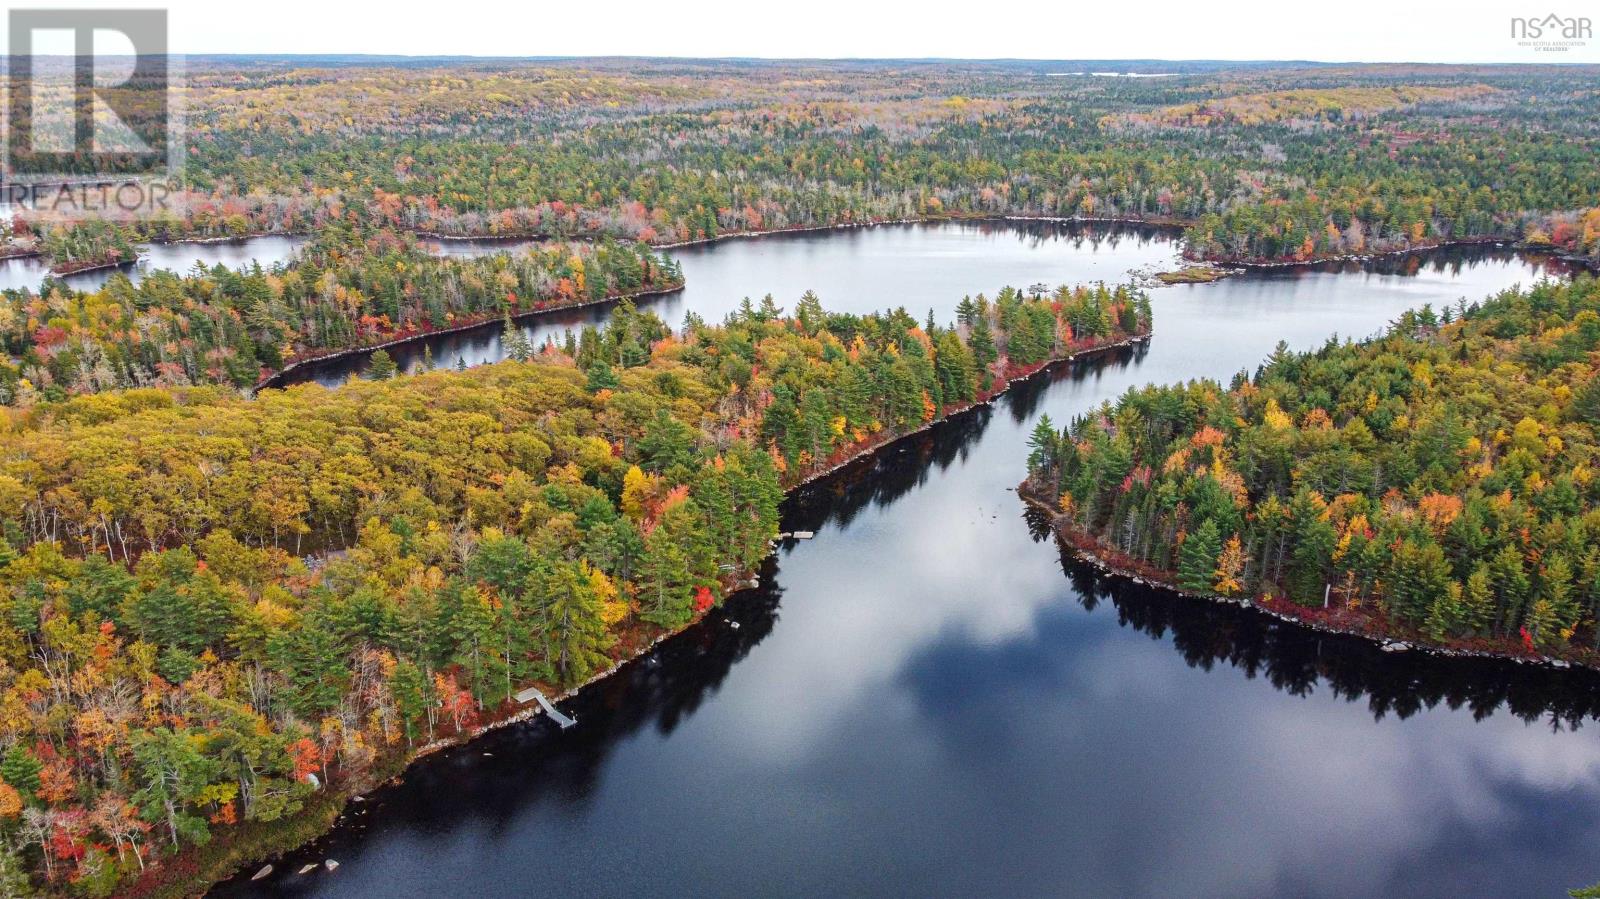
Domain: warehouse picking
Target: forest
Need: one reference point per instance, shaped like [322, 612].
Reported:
[224, 610]
[220, 612]
[347, 288]
[1267, 165]
[1437, 481]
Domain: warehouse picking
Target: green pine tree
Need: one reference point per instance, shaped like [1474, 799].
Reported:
[381, 367]
[984, 352]
[601, 377]
[1197, 558]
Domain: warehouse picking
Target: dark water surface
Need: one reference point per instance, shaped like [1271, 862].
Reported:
[929, 699]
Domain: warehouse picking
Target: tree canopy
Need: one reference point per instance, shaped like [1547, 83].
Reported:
[1437, 481]
[205, 599]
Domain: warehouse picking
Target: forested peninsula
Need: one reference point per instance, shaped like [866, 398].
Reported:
[347, 289]
[1435, 484]
[221, 615]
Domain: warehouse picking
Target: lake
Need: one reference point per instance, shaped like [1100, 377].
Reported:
[921, 267]
[930, 698]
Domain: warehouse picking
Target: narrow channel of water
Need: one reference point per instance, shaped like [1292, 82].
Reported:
[930, 699]
[30, 272]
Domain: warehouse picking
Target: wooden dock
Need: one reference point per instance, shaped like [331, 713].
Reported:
[532, 693]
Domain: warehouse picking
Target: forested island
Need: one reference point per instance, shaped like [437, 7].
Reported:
[221, 614]
[1435, 484]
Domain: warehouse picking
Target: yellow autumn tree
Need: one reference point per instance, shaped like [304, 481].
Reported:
[1230, 563]
[612, 608]
[579, 277]
[635, 492]
[1275, 418]
[10, 801]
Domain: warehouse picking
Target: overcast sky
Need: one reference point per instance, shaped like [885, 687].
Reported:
[1342, 30]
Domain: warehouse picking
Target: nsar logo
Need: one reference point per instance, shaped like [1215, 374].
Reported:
[1552, 32]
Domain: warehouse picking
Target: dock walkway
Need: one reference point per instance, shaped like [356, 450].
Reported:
[549, 709]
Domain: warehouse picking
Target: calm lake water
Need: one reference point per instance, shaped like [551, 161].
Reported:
[920, 267]
[930, 699]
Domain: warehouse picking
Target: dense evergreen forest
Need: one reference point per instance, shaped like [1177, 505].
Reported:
[214, 604]
[348, 288]
[1260, 163]
[1437, 481]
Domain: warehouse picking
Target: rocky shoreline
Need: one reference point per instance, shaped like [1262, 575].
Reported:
[1269, 265]
[1090, 551]
[272, 380]
[80, 268]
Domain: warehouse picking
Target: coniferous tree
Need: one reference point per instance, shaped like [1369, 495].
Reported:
[381, 366]
[984, 354]
[1197, 558]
